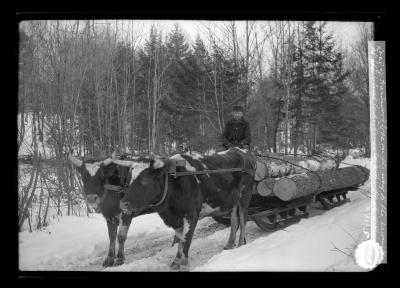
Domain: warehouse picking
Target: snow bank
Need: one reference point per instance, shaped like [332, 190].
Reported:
[308, 245]
[73, 241]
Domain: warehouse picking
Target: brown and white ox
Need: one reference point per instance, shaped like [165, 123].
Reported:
[190, 198]
[95, 174]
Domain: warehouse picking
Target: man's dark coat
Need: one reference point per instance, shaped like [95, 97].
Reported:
[236, 133]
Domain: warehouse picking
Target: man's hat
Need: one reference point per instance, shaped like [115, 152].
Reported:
[238, 108]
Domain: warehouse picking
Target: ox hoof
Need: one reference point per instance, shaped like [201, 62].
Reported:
[119, 261]
[175, 266]
[229, 246]
[242, 243]
[108, 262]
[181, 265]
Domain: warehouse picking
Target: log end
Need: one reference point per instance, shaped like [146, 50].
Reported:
[285, 189]
[261, 171]
[365, 173]
[264, 188]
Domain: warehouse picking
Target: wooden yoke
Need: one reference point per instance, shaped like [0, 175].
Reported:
[173, 163]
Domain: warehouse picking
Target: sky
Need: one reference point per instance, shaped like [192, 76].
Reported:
[345, 33]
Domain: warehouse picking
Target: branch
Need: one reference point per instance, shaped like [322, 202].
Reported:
[341, 251]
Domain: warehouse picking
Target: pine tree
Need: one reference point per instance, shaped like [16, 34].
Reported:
[180, 79]
[298, 86]
[319, 82]
[333, 125]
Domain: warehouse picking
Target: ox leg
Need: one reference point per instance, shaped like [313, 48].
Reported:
[243, 210]
[188, 241]
[234, 228]
[185, 235]
[123, 228]
[179, 239]
[112, 226]
[242, 224]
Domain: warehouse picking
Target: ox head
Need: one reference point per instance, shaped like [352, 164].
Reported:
[147, 188]
[94, 174]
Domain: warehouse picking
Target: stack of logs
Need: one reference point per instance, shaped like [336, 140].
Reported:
[310, 175]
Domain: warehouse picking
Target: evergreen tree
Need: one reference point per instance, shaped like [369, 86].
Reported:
[298, 87]
[333, 125]
[319, 84]
[181, 81]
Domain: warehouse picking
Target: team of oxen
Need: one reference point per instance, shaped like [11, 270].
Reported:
[179, 201]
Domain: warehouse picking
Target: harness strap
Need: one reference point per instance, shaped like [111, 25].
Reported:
[164, 193]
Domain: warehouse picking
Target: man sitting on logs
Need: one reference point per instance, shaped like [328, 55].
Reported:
[237, 131]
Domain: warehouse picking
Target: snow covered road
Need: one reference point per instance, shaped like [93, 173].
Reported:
[319, 243]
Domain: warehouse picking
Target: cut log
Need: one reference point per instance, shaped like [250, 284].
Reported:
[295, 186]
[264, 187]
[280, 166]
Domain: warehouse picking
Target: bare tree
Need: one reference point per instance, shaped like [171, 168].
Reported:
[281, 41]
[359, 77]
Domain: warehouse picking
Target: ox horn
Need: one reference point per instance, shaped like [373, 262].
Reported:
[111, 160]
[75, 160]
[123, 162]
[107, 161]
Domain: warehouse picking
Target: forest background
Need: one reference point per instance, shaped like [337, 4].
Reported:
[95, 86]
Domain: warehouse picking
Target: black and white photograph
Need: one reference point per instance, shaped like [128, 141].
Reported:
[157, 145]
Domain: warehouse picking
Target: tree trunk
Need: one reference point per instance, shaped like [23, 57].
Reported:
[26, 204]
[299, 185]
[39, 220]
[287, 119]
[315, 137]
[44, 222]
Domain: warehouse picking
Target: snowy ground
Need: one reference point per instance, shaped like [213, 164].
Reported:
[319, 243]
